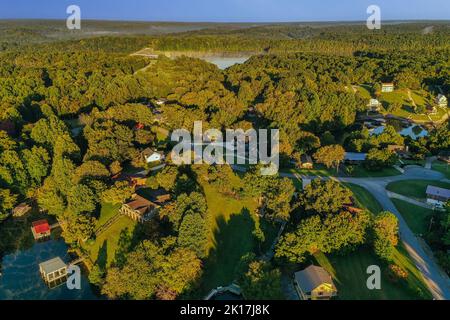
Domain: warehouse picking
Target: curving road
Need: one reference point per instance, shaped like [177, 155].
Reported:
[437, 281]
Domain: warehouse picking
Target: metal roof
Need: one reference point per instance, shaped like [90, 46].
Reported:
[355, 156]
[440, 192]
[312, 277]
[52, 265]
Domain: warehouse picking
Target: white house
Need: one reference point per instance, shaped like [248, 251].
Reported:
[441, 101]
[437, 196]
[387, 87]
[152, 156]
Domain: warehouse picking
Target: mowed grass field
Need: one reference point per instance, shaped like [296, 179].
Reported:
[442, 167]
[417, 218]
[414, 188]
[102, 250]
[232, 223]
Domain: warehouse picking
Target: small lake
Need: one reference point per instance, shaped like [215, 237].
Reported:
[20, 278]
[225, 62]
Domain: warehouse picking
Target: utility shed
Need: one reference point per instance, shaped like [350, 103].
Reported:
[53, 271]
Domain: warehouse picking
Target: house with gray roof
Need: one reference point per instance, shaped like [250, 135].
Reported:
[314, 283]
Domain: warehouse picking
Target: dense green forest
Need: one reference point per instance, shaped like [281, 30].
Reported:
[299, 80]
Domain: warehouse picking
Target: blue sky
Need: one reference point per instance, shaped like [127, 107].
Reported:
[227, 10]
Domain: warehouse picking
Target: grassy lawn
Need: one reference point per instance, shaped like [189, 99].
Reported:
[103, 248]
[107, 212]
[319, 170]
[416, 217]
[414, 188]
[232, 222]
[364, 198]
[360, 172]
[349, 273]
[441, 167]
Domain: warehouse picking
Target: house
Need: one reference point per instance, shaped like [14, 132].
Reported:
[400, 150]
[314, 283]
[354, 157]
[161, 101]
[21, 210]
[53, 271]
[150, 155]
[374, 105]
[137, 180]
[306, 162]
[159, 196]
[40, 229]
[387, 87]
[139, 209]
[444, 156]
[441, 101]
[437, 196]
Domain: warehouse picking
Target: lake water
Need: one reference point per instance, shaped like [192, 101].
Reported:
[225, 62]
[410, 131]
[20, 279]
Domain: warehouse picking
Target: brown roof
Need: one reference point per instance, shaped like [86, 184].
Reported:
[159, 196]
[141, 204]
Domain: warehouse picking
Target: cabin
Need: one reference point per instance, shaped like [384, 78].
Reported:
[137, 180]
[314, 283]
[53, 272]
[21, 210]
[441, 101]
[437, 196]
[40, 229]
[139, 209]
[374, 105]
[387, 87]
[151, 156]
[354, 157]
[306, 162]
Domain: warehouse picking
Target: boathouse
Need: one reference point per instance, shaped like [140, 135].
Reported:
[40, 229]
[53, 272]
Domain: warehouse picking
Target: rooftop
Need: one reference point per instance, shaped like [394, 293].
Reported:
[141, 204]
[52, 265]
[440, 192]
[355, 156]
[312, 277]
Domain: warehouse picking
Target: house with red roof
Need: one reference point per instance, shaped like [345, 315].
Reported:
[40, 229]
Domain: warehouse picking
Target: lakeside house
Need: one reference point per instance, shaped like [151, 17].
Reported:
[53, 271]
[387, 87]
[441, 101]
[40, 229]
[354, 157]
[139, 209]
[314, 283]
[437, 196]
[306, 161]
[21, 210]
[374, 105]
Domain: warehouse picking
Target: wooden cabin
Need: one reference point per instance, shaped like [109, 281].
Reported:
[21, 210]
[53, 272]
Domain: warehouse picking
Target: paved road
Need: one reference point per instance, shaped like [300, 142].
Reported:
[437, 281]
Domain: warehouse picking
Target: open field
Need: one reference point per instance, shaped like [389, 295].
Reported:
[360, 172]
[414, 188]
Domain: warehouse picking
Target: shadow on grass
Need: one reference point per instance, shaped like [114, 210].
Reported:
[233, 239]
[102, 256]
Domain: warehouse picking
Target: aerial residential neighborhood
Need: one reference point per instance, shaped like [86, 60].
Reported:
[269, 155]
